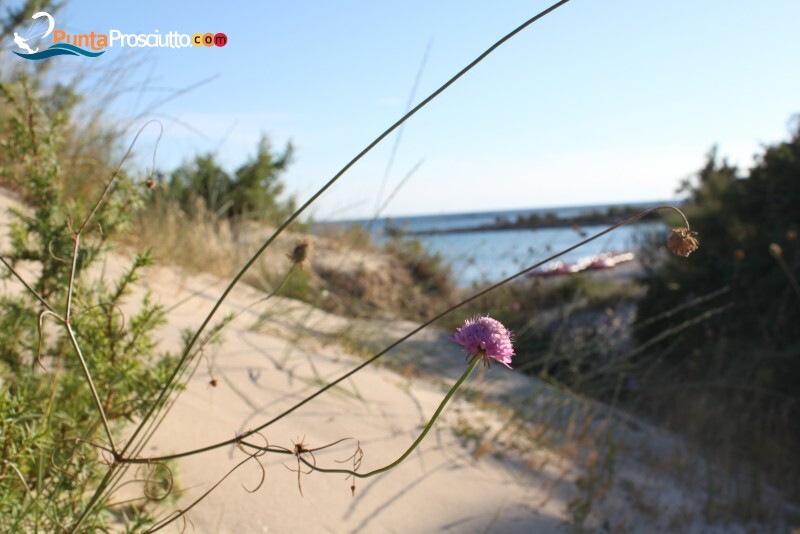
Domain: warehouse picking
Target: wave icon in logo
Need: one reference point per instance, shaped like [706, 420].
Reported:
[60, 49]
[42, 26]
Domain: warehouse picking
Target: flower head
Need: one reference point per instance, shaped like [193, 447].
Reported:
[486, 337]
[301, 251]
[683, 241]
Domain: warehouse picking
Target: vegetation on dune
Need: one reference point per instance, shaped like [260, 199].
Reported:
[748, 224]
[252, 191]
[69, 321]
[720, 326]
[75, 369]
[579, 333]
[735, 310]
[709, 345]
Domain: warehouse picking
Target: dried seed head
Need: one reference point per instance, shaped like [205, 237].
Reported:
[683, 242]
[776, 250]
[150, 183]
[301, 252]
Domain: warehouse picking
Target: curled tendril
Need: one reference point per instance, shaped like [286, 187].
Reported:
[53, 254]
[107, 456]
[356, 458]
[75, 451]
[41, 336]
[305, 457]
[186, 522]
[174, 516]
[181, 513]
[258, 451]
[158, 482]
[57, 467]
[263, 475]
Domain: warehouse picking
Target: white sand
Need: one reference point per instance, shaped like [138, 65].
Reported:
[475, 472]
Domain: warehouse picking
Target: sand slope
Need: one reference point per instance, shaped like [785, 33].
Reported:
[509, 455]
[482, 469]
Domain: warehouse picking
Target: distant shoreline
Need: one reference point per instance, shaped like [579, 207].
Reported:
[537, 221]
[498, 228]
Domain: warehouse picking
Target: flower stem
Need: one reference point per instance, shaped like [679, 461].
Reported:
[387, 349]
[187, 351]
[436, 414]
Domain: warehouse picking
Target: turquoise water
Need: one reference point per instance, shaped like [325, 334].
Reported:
[478, 257]
[491, 256]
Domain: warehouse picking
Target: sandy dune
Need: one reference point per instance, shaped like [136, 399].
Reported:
[480, 470]
[440, 486]
[509, 455]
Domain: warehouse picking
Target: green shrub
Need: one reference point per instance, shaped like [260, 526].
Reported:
[252, 191]
[732, 312]
[739, 219]
[53, 440]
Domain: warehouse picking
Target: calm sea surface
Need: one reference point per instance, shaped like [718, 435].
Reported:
[477, 257]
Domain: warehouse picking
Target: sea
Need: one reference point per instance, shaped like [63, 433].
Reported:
[480, 257]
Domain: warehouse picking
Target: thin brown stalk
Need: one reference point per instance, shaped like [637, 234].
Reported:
[170, 381]
[402, 339]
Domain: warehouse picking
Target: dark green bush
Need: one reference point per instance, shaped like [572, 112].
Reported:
[739, 218]
[730, 314]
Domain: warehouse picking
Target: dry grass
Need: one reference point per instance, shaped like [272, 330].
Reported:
[344, 274]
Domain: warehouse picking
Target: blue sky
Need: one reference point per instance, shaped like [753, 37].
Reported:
[599, 102]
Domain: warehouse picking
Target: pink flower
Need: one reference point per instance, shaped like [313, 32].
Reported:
[486, 337]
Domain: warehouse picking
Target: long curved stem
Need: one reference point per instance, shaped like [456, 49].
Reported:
[475, 361]
[168, 385]
[95, 396]
[394, 344]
